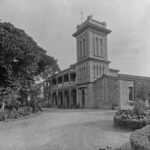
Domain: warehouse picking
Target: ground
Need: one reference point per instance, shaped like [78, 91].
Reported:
[58, 129]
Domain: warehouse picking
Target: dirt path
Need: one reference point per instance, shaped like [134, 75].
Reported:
[63, 130]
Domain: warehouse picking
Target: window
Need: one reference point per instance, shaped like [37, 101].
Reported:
[103, 70]
[84, 47]
[94, 71]
[131, 94]
[97, 48]
[84, 72]
[97, 70]
[79, 74]
[100, 70]
[80, 48]
[94, 45]
[101, 47]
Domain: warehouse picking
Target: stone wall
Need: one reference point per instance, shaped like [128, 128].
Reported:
[113, 92]
[98, 92]
[124, 93]
[106, 92]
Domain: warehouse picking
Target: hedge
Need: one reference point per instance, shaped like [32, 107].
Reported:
[140, 139]
[129, 123]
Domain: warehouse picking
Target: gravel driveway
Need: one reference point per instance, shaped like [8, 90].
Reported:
[64, 129]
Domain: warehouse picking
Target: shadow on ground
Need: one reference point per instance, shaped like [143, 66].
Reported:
[106, 125]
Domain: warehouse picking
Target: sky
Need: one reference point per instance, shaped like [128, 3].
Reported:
[51, 24]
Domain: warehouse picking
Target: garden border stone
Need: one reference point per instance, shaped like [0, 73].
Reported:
[140, 139]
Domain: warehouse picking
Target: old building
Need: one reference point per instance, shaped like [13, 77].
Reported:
[90, 83]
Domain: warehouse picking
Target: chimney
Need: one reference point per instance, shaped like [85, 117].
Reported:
[89, 17]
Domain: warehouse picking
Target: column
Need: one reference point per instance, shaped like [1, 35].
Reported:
[78, 97]
[70, 98]
[63, 94]
[69, 77]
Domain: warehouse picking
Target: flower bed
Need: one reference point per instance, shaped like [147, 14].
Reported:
[129, 120]
[140, 139]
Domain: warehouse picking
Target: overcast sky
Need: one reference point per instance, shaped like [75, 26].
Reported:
[52, 22]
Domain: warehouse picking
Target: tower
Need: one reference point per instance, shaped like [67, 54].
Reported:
[92, 57]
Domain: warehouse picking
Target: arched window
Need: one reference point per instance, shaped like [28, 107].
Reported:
[81, 49]
[103, 70]
[97, 47]
[100, 70]
[101, 47]
[79, 75]
[94, 71]
[94, 48]
[97, 70]
[84, 50]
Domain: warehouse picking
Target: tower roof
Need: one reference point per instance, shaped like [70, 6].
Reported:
[91, 23]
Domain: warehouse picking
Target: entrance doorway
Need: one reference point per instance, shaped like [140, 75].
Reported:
[83, 98]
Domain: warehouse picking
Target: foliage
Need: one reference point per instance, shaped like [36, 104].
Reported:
[14, 114]
[21, 61]
[143, 90]
[130, 114]
[47, 66]
[131, 120]
[35, 98]
[139, 139]
[139, 107]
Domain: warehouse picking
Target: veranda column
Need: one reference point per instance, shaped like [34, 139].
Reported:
[56, 98]
[77, 90]
[63, 94]
[69, 77]
[70, 98]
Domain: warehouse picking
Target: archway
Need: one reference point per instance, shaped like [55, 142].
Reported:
[60, 99]
[49, 103]
[54, 99]
[66, 96]
[74, 98]
[83, 98]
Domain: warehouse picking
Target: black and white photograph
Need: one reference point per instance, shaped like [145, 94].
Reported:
[74, 74]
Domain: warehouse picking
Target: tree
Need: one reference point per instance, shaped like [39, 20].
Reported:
[21, 59]
[47, 66]
[143, 91]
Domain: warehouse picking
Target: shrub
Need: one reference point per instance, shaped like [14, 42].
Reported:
[14, 114]
[139, 107]
[139, 139]
[3, 115]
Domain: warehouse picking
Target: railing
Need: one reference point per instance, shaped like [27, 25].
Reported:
[61, 85]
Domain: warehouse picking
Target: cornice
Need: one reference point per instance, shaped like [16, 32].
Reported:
[91, 58]
[90, 25]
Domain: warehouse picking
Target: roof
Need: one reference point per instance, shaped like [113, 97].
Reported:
[116, 70]
[133, 77]
[70, 69]
[91, 23]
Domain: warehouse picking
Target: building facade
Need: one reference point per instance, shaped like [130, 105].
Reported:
[90, 82]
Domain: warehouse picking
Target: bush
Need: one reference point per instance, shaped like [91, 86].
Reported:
[139, 140]
[14, 114]
[139, 107]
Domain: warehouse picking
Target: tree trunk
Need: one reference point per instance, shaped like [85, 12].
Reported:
[3, 106]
